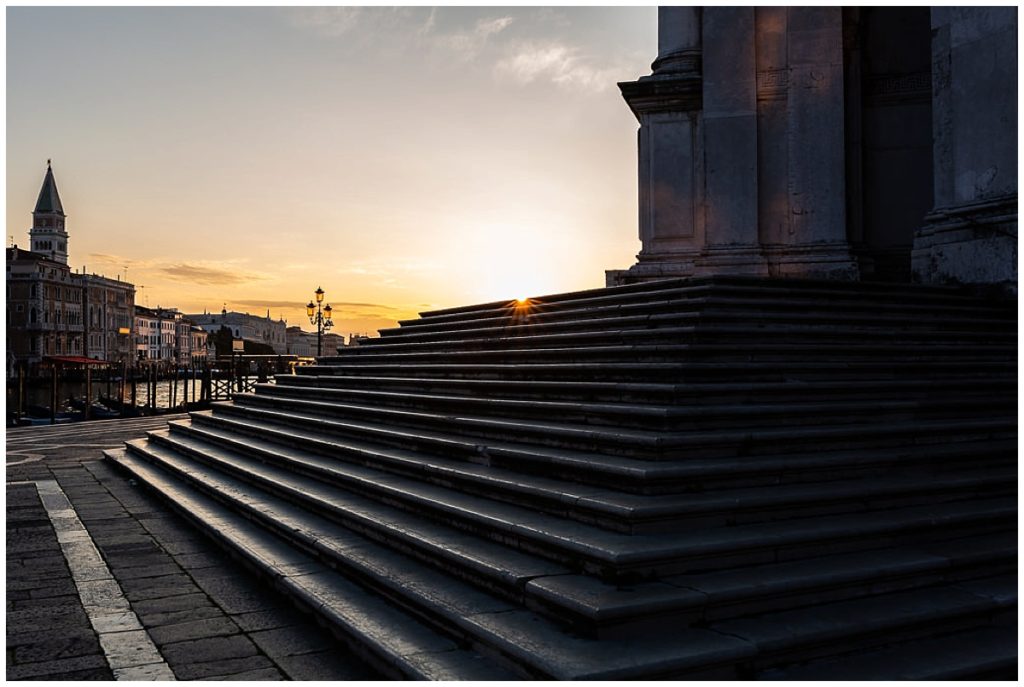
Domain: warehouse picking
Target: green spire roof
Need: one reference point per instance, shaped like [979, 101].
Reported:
[49, 199]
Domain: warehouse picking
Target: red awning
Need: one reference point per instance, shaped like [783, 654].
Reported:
[73, 360]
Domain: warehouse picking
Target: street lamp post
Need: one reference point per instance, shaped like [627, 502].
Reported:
[321, 318]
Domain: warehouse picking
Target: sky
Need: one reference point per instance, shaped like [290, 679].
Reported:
[403, 159]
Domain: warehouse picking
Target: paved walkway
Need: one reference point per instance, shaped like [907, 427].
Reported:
[105, 582]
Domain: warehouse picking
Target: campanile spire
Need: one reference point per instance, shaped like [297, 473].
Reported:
[48, 234]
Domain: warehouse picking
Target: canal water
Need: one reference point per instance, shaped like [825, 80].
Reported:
[38, 392]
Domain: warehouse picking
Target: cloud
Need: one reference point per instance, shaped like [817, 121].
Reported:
[329, 21]
[254, 302]
[211, 276]
[411, 28]
[466, 45]
[559, 63]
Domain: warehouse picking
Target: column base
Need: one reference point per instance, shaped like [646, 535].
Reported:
[973, 243]
[821, 261]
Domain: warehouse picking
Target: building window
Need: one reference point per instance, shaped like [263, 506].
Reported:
[32, 315]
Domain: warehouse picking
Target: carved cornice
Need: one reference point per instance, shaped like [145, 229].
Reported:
[884, 89]
[663, 93]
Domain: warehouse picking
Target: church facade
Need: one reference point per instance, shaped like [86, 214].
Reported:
[854, 143]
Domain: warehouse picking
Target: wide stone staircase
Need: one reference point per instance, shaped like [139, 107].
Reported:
[705, 478]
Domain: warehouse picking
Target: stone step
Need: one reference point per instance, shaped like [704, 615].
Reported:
[560, 595]
[605, 508]
[412, 516]
[506, 635]
[861, 318]
[658, 416]
[978, 654]
[659, 393]
[642, 443]
[424, 453]
[876, 622]
[649, 333]
[395, 642]
[875, 295]
[754, 351]
[725, 594]
[676, 372]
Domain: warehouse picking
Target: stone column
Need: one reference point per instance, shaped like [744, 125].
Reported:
[679, 40]
[970, 236]
[670, 177]
[730, 143]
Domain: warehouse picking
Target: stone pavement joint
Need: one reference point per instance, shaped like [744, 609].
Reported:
[125, 644]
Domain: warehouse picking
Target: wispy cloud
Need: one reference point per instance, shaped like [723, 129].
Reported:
[209, 276]
[267, 303]
[415, 28]
[562, 64]
[466, 45]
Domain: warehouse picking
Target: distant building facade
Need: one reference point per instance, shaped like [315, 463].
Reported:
[841, 142]
[44, 309]
[303, 343]
[264, 330]
[109, 318]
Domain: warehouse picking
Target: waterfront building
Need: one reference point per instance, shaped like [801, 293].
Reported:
[44, 309]
[110, 309]
[198, 343]
[54, 311]
[303, 343]
[147, 333]
[263, 330]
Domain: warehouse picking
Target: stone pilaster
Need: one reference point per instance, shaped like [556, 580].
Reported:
[730, 144]
[670, 150]
[971, 234]
[814, 242]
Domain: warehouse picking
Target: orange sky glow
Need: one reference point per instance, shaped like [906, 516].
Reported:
[402, 159]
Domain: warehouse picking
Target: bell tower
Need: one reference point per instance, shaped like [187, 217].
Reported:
[48, 235]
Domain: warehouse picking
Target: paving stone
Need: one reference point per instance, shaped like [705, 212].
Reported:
[201, 611]
[115, 622]
[130, 648]
[261, 674]
[148, 571]
[55, 601]
[60, 588]
[91, 674]
[60, 645]
[17, 638]
[210, 649]
[138, 560]
[169, 604]
[193, 561]
[268, 620]
[55, 667]
[149, 672]
[338, 664]
[193, 629]
[232, 666]
[291, 641]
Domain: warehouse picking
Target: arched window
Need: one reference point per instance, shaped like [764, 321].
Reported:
[32, 315]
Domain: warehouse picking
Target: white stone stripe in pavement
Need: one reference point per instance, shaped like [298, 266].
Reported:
[128, 648]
